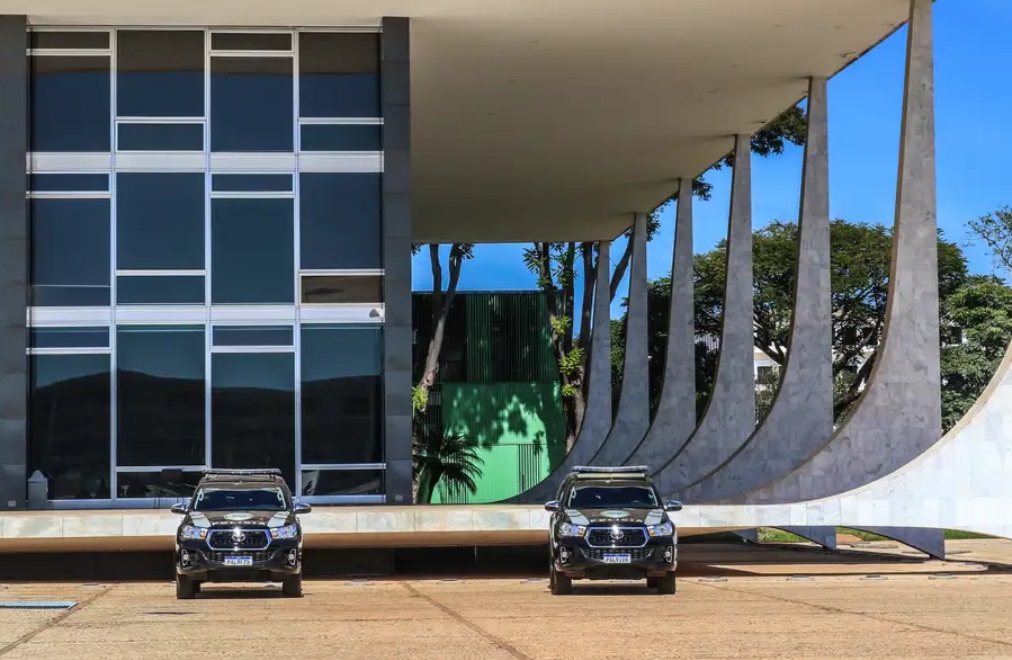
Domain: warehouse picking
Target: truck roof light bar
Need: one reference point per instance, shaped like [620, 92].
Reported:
[625, 469]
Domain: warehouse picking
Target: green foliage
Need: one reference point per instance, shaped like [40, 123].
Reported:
[560, 324]
[446, 457]
[570, 363]
[419, 398]
[995, 229]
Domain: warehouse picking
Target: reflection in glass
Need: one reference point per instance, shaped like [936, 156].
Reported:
[161, 73]
[70, 252]
[160, 137]
[69, 424]
[252, 335]
[165, 483]
[45, 39]
[253, 411]
[338, 75]
[160, 289]
[160, 392]
[252, 251]
[251, 104]
[342, 289]
[340, 221]
[69, 182]
[342, 482]
[341, 404]
[341, 137]
[251, 41]
[97, 337]
[160, 221]
[70, 103]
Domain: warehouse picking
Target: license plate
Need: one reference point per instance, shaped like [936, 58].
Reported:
[238, 560]
[617, 559]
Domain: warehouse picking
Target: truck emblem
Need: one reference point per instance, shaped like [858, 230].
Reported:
[617, 534]
[238, 536]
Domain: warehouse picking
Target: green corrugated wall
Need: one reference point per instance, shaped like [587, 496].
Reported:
[499, 385]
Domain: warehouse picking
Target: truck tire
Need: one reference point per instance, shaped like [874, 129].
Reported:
[186, 589]
[292, 586]
[561, 585]
[666, 584]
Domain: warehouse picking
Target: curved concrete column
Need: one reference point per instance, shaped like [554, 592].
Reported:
[633, 416]
[800, 422]
[929, 541]
[899, 415]
[676, 410]
[730, 414]
[597, 417]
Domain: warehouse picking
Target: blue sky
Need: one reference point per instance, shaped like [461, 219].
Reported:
[973, 101]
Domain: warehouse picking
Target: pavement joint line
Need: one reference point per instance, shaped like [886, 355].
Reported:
[498, 642]
[839, 610]
[29, 636]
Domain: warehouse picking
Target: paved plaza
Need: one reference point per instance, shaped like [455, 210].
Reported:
[732, 602]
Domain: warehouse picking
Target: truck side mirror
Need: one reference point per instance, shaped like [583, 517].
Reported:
[552, 506]
[672, 505]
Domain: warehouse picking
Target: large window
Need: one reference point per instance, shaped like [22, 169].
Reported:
[70, 252]
[253, 258]
[160, 386]
[206, 275]
[69, 423]
[341, 402]
[253, 411]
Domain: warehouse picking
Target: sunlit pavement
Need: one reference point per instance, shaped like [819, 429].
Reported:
[731, 602]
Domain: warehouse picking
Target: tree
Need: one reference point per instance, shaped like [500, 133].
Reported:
[447, 457]
[995, 229]
[859, 261]
[977, 327]
[441, 303]
[555, 265]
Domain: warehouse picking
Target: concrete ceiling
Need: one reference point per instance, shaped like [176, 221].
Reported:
[557, 119]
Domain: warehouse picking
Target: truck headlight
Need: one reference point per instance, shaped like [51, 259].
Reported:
[569, 529]
[191, 533]
[286, 532]
[664, 529]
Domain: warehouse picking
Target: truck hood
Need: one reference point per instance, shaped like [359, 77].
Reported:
[240, 518]
[616, 516]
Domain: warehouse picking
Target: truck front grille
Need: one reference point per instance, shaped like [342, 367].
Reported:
[628, 537]
[238, 539]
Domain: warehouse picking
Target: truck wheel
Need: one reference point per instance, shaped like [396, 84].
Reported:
[651, 583]
[186, 589]
[292, 586]
[666, 584]
[561, 585]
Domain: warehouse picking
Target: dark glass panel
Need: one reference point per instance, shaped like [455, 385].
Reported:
[341, 398]
[161, 73]
[252, 335]
[341, 137]
[70, 252]
[160, 221]
[160, 390]
[69, 182]
[342, 288]
[69, 337]
[68, 40]
[160, 289]
[69, 427]
[252, 251]
[70, 103]
[160, 137]
[166, 483]
[338, 75]
[250, 41]
[340, 221]
[251, 104]
[251, 182]
[253, 411]
[342, 482]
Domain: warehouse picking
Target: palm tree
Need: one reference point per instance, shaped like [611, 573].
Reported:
[449, 457]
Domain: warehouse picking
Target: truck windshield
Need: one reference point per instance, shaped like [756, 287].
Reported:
[246, 499]
[612, 497]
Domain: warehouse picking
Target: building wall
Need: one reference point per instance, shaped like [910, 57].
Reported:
[498, 385]
[207, 259]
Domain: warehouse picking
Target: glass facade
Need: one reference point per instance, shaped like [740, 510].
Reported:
[206, 272]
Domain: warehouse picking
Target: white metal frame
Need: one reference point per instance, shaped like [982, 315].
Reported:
[208, 315]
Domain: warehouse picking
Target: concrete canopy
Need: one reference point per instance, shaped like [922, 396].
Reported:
[557, 119]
